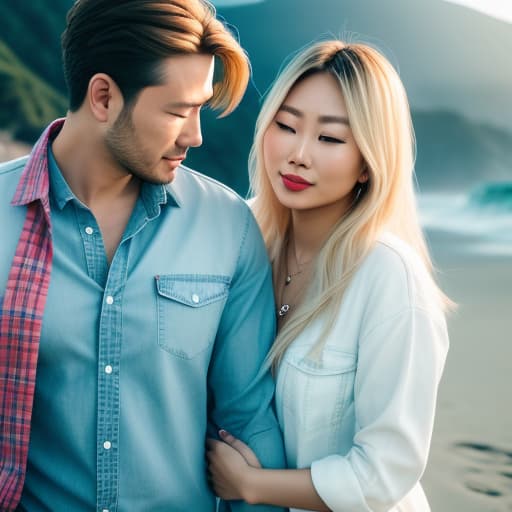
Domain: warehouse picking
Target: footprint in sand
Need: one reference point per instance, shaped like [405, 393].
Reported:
[488, 470]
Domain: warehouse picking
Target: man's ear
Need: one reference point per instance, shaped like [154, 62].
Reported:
[104, 97]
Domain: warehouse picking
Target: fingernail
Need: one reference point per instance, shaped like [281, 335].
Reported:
[223, 433]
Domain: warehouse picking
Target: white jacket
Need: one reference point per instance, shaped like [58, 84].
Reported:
[362, 419]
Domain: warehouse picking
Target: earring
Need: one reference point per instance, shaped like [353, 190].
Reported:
[358, 192]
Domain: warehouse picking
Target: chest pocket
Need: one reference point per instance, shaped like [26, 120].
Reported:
[316, 394]
[189, 311]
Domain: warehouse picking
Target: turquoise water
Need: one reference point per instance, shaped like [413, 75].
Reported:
[484, 214]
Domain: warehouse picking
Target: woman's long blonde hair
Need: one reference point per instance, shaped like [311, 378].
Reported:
[380, 121]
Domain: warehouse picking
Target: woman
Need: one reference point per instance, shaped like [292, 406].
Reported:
[361, 332]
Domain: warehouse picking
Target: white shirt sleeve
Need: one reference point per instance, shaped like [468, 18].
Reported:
[400, 361]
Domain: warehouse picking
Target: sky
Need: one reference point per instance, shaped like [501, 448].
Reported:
[227, 3]
[499, 9]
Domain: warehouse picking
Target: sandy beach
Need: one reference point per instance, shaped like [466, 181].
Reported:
[470, 467]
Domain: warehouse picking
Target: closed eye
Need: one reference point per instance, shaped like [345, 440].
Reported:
[331, 140]
[285, 127]
[181, 116]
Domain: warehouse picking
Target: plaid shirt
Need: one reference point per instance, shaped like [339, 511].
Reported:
[21, 317]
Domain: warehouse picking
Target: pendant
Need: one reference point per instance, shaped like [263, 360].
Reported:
[283, 310]
[288, 280]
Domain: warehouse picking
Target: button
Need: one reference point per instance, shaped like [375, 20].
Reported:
[110, 300]
[107, 445]
[89, 230]
[105, 510]
[108, 369]
[195, 298]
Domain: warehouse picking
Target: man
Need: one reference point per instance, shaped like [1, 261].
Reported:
[138, 305]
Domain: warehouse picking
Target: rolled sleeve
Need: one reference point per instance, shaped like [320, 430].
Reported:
[400, 363]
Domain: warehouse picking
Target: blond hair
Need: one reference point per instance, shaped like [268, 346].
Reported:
[379, 116]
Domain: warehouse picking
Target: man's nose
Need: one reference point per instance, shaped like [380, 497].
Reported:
[191, 135]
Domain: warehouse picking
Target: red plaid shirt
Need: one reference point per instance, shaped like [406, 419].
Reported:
[21, 317]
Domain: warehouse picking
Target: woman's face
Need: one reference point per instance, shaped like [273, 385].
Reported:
[310, 154]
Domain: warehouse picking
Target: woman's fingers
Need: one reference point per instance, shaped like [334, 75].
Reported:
[241, 448]
[223, 464]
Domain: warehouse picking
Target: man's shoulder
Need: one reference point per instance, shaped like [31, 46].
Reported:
[10, 173]
[12, 166]
[192, 180]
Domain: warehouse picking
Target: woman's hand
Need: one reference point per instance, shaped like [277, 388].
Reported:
[230, 464]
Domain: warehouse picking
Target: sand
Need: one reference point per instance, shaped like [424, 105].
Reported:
[470, 466]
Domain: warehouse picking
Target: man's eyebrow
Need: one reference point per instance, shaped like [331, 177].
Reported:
[321, 119]
[187, 104]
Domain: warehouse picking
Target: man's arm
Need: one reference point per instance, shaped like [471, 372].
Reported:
[241, 393]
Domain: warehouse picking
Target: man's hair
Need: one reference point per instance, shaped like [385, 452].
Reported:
[129, 39]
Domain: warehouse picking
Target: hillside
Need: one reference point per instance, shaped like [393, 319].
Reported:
[31, 29]
[455, 153]
[27, 103]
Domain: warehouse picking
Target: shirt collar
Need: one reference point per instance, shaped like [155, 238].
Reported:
[34, 183]
[59, 188]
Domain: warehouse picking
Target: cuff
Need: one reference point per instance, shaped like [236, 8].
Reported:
[335, 482]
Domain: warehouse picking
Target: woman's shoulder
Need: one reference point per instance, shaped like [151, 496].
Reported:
[395, 271]
[396, 255]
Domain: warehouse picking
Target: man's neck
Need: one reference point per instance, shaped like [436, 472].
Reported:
[88, 168]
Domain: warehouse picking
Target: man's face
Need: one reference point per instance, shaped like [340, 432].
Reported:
[151, 139]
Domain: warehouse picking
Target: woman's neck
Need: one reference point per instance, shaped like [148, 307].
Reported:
[308, 232]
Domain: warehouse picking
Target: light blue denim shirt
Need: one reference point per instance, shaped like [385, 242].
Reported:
[139, 359]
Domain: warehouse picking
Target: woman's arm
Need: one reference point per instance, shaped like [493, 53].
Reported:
[236, 474]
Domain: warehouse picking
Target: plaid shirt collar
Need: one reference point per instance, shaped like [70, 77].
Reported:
[34, 183]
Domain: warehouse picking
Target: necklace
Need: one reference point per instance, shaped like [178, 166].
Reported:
[301, 267]
[289, 276]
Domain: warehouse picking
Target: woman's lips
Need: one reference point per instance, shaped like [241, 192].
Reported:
[295, 183]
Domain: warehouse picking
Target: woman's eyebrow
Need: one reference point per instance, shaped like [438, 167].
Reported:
[321, 119]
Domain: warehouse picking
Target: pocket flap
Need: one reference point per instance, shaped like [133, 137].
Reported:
[193, 290]
[333, 362]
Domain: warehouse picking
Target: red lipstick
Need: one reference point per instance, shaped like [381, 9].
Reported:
[295, 183]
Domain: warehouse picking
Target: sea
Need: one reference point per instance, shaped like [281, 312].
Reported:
[482, 216]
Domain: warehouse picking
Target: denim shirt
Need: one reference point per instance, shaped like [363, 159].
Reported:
[141, 358]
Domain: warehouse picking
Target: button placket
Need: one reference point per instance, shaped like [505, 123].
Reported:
[109, 354]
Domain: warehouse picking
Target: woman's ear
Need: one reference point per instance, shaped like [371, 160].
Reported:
[364, 176]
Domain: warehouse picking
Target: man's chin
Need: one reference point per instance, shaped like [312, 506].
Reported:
[155, 178]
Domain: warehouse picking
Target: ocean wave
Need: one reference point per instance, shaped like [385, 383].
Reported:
[496, 196]
[484, 214]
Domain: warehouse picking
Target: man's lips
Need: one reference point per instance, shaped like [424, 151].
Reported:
[175, 158]
[295, 183]
[174, 161]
